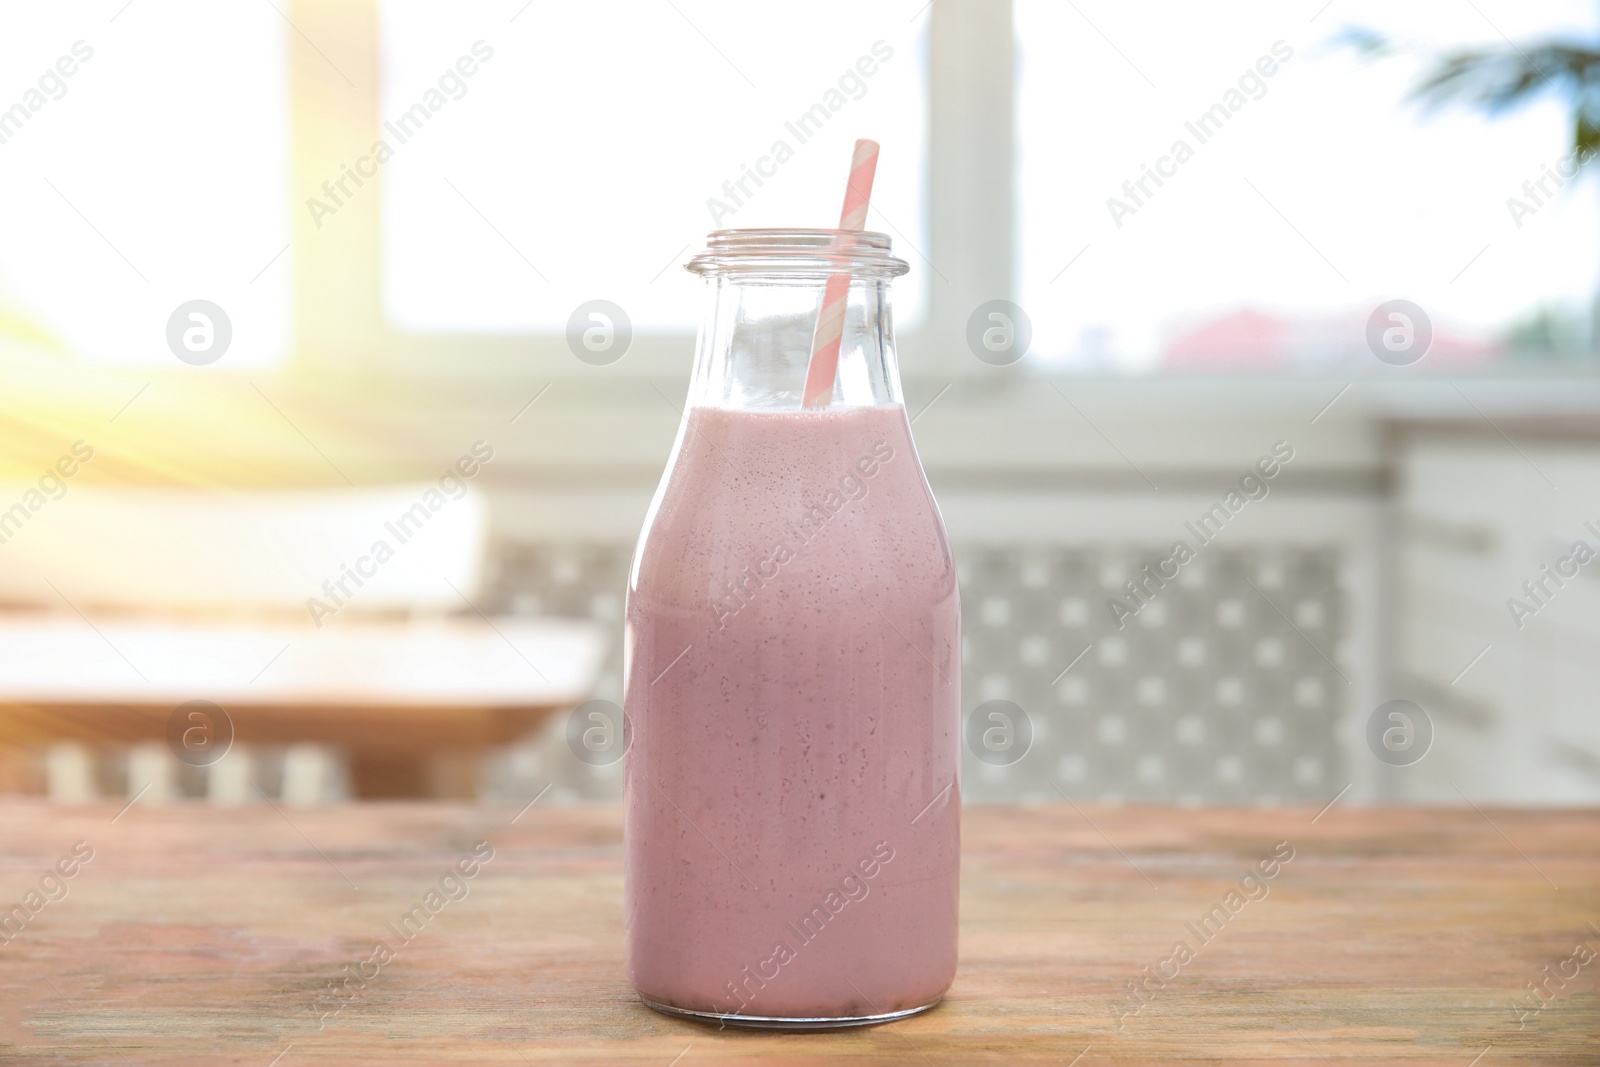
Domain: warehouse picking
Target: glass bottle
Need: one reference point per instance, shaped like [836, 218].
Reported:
[792, 668]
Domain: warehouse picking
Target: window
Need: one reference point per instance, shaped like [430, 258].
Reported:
[144, 162]
[1297, 190]
[538, 156]
[593, 146]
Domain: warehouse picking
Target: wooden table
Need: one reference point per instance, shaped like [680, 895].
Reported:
[1392, 936]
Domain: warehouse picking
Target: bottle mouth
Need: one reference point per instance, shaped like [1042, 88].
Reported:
[797, 254]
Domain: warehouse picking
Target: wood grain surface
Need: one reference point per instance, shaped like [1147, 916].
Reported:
[202, 935]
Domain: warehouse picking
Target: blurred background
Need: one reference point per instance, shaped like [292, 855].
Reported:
[311, 490]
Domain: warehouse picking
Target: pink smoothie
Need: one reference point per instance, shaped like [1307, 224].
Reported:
[793, 691]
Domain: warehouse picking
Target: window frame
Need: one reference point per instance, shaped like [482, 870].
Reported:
[339, 324]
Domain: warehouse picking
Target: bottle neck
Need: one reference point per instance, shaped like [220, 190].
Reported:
[755, 343]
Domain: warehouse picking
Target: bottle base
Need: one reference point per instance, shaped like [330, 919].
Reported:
[779, 1022]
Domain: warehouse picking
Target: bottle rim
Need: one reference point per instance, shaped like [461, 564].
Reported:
[797, 253]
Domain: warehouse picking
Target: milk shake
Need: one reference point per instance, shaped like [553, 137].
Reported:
[793, 646]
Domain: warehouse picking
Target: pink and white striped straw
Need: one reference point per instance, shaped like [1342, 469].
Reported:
[824, 365]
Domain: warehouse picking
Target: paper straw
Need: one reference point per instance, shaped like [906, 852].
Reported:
[829, 331]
